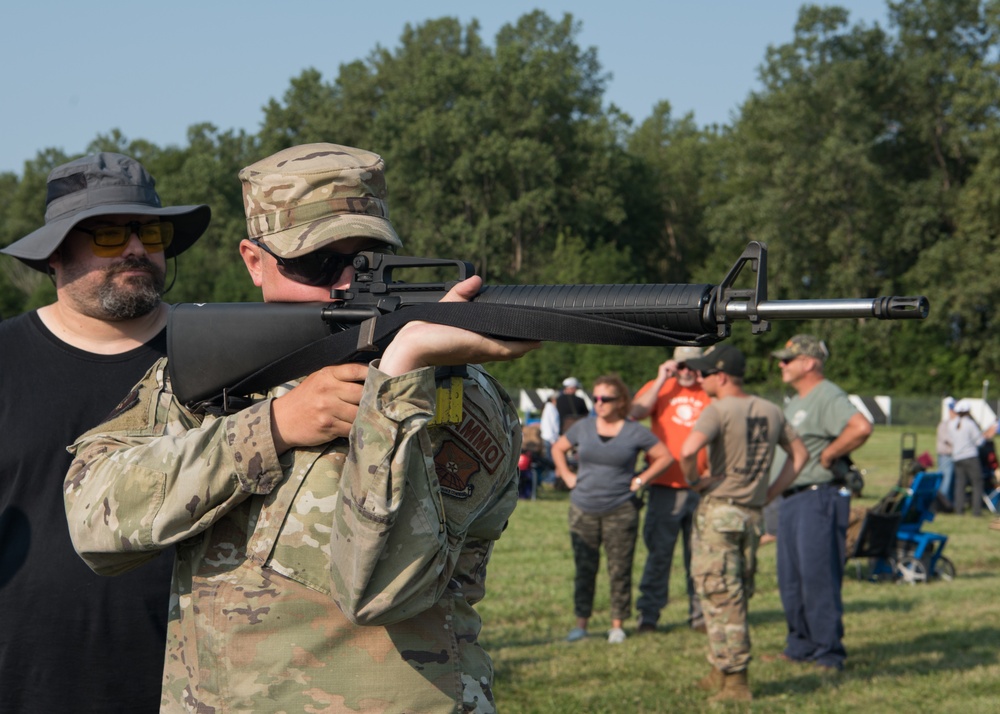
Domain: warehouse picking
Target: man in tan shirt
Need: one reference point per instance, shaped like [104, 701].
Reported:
[741, 432]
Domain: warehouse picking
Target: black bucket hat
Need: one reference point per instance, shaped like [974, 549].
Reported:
[101, 185]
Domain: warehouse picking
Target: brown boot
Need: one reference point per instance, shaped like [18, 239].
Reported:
[734, 688]
[712, 682]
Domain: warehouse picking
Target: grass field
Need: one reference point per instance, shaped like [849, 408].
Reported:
[930, 647]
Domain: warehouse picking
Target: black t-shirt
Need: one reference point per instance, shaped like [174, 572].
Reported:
[571, 409]
[70, 640]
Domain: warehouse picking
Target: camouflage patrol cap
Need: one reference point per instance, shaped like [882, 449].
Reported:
[808, 345]
[683, 353]
[309, 196]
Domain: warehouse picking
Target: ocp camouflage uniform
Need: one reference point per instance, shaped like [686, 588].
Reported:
[742, 434]
[278, 560]
[723, 565]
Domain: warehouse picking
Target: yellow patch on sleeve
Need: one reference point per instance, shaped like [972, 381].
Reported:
[448, 402]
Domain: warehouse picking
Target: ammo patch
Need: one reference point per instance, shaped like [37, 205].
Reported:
[455, 468]
[474, 432]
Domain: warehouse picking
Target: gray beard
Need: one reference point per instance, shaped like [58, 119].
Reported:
[138, 297]
[142, 297]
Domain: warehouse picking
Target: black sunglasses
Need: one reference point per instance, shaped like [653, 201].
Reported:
[319, 268]
[708, 372]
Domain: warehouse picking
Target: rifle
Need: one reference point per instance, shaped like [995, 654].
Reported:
[215, 351]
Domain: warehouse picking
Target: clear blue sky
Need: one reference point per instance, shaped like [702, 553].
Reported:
[74, 69]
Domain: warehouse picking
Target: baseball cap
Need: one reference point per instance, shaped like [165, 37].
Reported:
[309, 196]
[571, 382]
[685, 353]
[720, 358]
[103, 184]
[808, 345]
[962, 406]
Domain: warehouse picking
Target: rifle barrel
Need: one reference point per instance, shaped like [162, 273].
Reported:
[882, 308]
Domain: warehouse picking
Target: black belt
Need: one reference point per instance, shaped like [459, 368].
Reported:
[788, 492]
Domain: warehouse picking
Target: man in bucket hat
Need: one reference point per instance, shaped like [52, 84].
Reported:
[673, 401]
[812, 526]
[71, 639]
[332, 538]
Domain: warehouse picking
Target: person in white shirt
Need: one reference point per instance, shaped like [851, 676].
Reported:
[966, 438]
[549, 430]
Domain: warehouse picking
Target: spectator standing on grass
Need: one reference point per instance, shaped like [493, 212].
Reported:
[673, 401]
[945, 462]
[966, 438]
[549, 431]
[812, 529]
[604, 509]
[569, 405]
[742, 433]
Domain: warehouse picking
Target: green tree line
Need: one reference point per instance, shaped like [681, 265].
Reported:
[868, 161]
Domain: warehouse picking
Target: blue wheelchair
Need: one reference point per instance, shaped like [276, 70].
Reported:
[918, 553]
[892, 537]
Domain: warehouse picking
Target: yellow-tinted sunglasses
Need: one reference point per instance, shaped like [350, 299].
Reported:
[110, 241]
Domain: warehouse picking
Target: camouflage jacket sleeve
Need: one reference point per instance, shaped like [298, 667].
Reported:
[153, 474]
[398, 538]
[389, 548]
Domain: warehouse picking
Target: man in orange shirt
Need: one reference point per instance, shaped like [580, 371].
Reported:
[673, 401]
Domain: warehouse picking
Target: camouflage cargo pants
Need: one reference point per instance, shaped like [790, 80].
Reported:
[723, 565]
[617, 531]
